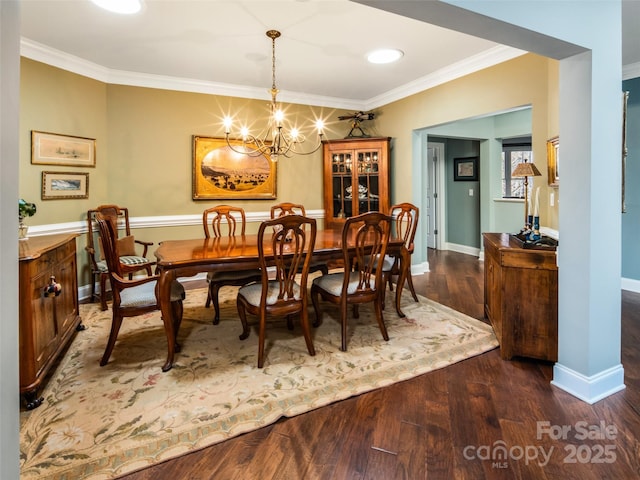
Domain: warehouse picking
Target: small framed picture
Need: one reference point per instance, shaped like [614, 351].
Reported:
[465, 169]
[54, 149]
[62, 185]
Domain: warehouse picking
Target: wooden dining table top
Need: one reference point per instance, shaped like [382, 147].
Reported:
[239, 251]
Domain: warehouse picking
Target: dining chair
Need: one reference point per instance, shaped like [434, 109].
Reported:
[131, 261]
[405, 222]
[131, 297]
[219, 221]
[288, 208]
[364, 239]
[285, 256]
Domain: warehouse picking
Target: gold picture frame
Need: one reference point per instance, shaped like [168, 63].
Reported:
[553, 162]
[223, 172]
[65, 185]
[68, 150]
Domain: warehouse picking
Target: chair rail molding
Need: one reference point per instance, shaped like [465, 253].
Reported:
[159, 221]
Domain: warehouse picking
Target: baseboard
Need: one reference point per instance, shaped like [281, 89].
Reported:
[589, 389]
[420, 268]
[454, 247]
[630, 284]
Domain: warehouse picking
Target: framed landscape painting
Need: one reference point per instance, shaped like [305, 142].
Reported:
[54, 149]
[61, 185]
[224, 172]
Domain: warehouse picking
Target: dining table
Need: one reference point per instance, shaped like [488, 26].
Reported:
[186, 258]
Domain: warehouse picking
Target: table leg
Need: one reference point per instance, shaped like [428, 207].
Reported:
[167, 277]
[404, 265]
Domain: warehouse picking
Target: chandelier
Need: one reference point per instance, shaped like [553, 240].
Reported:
[275, 140]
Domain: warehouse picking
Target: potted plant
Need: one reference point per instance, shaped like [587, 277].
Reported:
[25, 209]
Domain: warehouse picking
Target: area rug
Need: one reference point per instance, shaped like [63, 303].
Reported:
[103, 422]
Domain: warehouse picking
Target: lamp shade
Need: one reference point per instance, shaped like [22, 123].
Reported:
[526, 169]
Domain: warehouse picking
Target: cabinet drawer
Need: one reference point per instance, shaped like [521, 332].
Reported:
[44, 263]
[63, 251]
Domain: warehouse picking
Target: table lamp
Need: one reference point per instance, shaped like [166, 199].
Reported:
[526, 170]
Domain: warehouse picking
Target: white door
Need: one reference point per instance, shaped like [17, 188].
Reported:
[435, 157]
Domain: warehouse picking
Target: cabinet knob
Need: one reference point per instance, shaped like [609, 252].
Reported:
[53, 289]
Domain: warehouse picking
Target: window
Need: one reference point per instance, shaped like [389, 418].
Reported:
[515, 151]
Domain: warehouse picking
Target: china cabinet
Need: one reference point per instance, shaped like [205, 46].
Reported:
[49, 313]
[356, 177]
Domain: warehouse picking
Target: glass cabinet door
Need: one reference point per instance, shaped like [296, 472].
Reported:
[368, 184]
[342, 180]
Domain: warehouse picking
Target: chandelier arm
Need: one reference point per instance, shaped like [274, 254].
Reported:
[250, 152]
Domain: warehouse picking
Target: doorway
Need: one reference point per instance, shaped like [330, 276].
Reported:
[435, 195]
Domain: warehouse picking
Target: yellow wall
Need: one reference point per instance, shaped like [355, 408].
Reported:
[526, 80]
[150, 138]
[56, 101]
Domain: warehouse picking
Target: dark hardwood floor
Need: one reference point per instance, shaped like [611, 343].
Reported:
[447, 424]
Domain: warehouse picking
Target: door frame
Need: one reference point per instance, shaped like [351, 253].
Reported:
[440, 188]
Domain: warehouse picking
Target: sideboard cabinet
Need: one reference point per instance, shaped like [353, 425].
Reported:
[356, 178]
[521, 297]
[48, 308]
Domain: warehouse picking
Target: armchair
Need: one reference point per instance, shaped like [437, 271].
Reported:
[131, 297]
[130, 260]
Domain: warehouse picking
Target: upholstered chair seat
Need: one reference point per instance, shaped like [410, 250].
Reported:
[332, 283]
[253, 293]
[145, 295]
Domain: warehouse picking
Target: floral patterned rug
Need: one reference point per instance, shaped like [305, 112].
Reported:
[103, 422]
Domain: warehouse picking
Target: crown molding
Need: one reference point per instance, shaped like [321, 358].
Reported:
[56, 58]
[488, 58]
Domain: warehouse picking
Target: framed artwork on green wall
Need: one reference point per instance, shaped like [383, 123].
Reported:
[465, 169]
[222, 171]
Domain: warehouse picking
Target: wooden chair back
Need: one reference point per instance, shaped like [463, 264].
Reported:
[109, 235]
[118, 217]
[405, 222]
[369, 234]
[287, 208]
[214, 219]
[288, 251]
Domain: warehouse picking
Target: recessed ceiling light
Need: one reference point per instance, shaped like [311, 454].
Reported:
[385, 55]
[120, 6]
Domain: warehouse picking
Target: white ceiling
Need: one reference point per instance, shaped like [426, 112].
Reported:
[220, 47]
